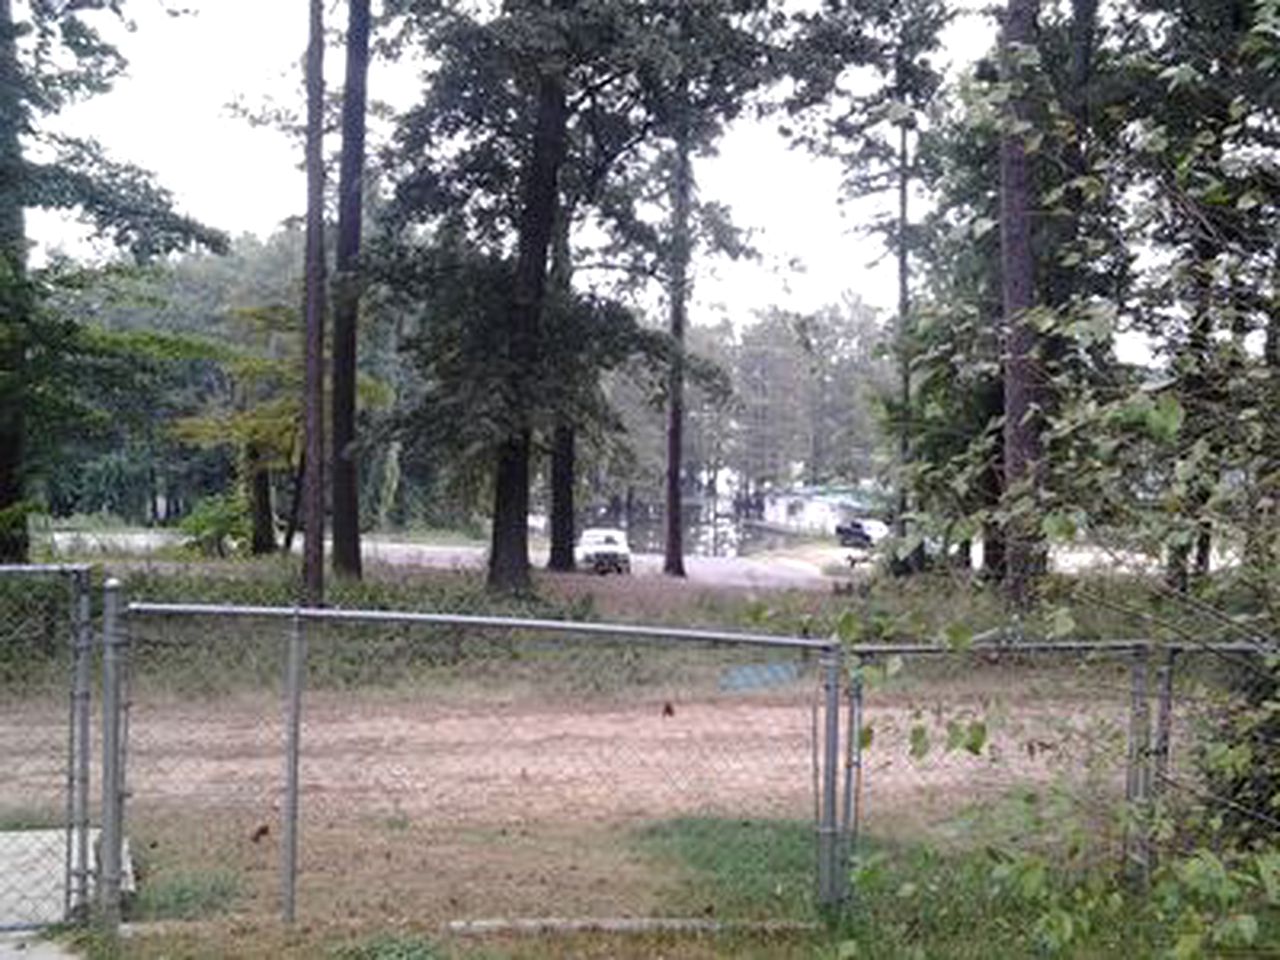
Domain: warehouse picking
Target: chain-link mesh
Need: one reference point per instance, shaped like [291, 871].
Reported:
[1122, 752]
[45, 739]
[976, 750]
[454, 768]
[454, 771]
[1216, 773]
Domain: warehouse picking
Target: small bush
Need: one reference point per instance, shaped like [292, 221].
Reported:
[217, 525]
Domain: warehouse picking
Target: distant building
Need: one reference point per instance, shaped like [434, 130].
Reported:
[820, 510]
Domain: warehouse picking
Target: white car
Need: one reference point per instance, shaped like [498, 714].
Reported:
[604, 550]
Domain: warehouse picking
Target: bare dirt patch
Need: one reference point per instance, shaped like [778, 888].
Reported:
[469, 802]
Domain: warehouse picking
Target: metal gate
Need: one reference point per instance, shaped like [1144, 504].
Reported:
[321, 762]
[46, 666]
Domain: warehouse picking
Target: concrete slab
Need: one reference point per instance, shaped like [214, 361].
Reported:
[33, 866]
[29, 946]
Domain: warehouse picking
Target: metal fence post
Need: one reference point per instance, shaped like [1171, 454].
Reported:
[1137, 847]
[81, 700]
[1164, 735]
[295, 659]
[852, 780]
[828, 834]
[110, 854]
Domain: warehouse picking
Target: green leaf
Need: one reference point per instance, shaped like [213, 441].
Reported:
[1180, 75]
[1268, 867]
[975, 737]
[982, 226]
[1188, 946]
[958, 636]
[1165, 417]
[1238, 930]
[1058, 526]
[919, 741]
[1061, 623]
[849, 627]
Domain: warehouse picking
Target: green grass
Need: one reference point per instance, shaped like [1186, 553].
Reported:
[735, 869]
[389, 947]
[19, 818]
[908, 900]
[185, 895]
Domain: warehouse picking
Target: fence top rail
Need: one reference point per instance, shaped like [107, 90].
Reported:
[640, 631]
[636, 631]
[50, 568]
[1115, 647]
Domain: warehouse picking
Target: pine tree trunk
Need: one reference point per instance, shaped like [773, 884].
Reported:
[564, 436]
[264, 520]
[562, 480]
[313, 398]
[678, 294]
[15, 304]
[346, 297]
[1260, 537]
[1188, 561]
[509, 549]
[1021, 375]
[904, 305]
[1204, 550]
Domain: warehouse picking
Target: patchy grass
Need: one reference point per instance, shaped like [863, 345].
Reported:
[186, 895]
[225, 941]
[887, 609]
[736, 869]
[389, 947]
[23, 818]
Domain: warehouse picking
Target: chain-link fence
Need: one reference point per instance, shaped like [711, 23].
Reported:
[1215, 777]
[378, 767]
[1086, 752]
[1029, 747]
[46, 743]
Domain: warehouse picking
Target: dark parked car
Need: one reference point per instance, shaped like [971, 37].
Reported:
[853, 534]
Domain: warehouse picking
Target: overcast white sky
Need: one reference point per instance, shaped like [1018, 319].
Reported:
[170, 115]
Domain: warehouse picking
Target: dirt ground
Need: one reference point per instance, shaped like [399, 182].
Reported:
[413, 805]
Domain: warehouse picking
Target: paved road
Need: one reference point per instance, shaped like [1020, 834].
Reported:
[774, 572]
[761, 572]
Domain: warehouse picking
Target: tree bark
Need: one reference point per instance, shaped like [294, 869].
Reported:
[1021, 374]
[509, 549]
[564, 436]
[1260, 537]
[346, 297]
[313, 400]
[563, 456]
[904, 305]
[264, 520]
[1189, 561]
[14, 300]
[678, 294]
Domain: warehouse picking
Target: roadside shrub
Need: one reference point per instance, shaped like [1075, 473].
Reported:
[218, 525]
